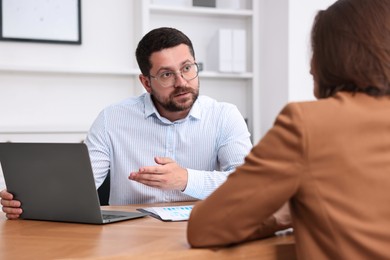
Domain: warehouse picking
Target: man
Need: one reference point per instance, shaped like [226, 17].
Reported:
[169, 144]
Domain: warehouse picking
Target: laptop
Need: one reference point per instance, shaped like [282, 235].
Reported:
[54, 182]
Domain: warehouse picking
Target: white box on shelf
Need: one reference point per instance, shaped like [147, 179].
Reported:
[178, 3]
[220, 52]
[228, 4]
[239, 50]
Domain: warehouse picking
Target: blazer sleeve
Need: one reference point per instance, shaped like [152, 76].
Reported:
[242, 208]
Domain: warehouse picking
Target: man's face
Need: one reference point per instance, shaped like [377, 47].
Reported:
[182, 93]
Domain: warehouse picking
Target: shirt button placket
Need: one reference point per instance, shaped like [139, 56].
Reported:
[169, 152]
[170, 145]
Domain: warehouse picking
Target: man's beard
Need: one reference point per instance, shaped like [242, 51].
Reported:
[171, 105]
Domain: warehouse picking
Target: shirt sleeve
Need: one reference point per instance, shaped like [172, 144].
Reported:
[233, 145]
[242, 208]
[99, 149]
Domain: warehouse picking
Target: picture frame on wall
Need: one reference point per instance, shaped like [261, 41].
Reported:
[47, 21]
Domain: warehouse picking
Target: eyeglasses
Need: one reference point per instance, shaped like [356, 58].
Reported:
[168, 78]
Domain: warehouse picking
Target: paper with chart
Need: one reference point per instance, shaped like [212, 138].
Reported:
[173, 213]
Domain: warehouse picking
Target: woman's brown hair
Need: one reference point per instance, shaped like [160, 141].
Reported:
[351, 47]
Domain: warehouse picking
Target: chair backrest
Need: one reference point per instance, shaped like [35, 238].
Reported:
[104, 191]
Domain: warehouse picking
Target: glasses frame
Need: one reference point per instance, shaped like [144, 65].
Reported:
[156, 77]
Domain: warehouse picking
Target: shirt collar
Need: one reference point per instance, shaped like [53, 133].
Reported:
[150, 109]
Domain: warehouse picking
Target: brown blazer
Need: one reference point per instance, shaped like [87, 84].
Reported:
[331, 159]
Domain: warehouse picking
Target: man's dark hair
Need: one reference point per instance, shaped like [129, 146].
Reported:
[157, 40]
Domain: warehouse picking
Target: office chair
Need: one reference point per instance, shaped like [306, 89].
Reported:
[104, 191]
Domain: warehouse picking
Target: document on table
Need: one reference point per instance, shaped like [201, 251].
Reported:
[173, 213]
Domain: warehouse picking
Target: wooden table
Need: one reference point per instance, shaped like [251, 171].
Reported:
[144, 238]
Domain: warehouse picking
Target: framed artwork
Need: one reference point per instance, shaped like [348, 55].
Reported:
[49, 21]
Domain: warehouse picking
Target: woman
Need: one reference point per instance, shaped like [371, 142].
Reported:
[329, 159]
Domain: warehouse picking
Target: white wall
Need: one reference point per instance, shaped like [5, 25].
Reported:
[50, 87]
[285, 54]
[300, 21]
[273, 60]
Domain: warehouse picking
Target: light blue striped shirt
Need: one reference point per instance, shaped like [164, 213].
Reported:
[210, 143]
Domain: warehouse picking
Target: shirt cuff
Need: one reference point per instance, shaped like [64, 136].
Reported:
[195, 184]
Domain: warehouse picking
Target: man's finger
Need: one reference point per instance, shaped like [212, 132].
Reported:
[4, 194]
[163, 160]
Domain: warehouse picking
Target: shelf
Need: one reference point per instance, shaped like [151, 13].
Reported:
[27, 69]
[204, 11]
[213, 74]
[118, 72]
[43, 129]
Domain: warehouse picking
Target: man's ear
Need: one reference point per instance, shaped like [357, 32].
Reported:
[145, 81]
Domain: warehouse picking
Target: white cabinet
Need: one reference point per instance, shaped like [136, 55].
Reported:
[201, 24]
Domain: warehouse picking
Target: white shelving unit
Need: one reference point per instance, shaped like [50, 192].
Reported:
[201, 24]
[61, 88]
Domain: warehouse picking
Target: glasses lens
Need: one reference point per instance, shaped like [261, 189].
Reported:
[188, 72]
[166, 79]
